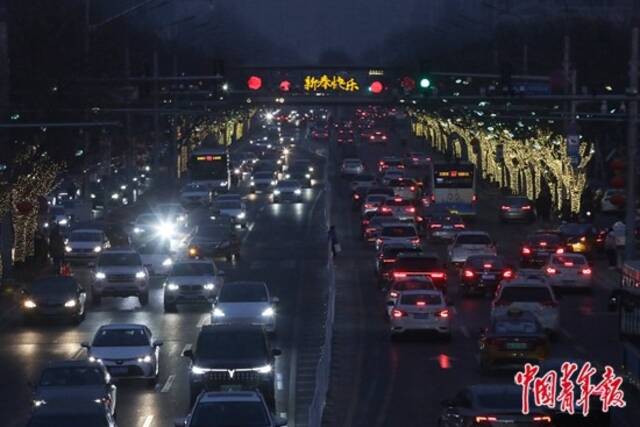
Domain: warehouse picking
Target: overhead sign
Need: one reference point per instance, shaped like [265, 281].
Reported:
[325, 82]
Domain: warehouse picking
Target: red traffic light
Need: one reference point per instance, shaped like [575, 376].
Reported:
[285, 85]
[408, 83]
[376, 87]
[254, 83]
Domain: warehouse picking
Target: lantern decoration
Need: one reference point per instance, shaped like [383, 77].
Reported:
[617, 181]
[617, 164]
[618, 200]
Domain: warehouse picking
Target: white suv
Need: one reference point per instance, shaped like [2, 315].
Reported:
[120, 273]
[533, 295]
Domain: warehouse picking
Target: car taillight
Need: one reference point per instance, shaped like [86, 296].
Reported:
[586, 271]
[415, 241]
[443, 313]
[368, 206]
[568, 264]
[468, 273]
[393, 294]
[459, 226]
[551, 270]
[356, 196]
[388, 260]
[421, 303]
[486, 266]
[410, 209]
[474, 199]
[384, 138]
[415, 159]
[526, 208]
[365, 222]
[505, 208]
[485, 419]
[560, 250]
[437, 275]
[370, 230]
[544, 419]
[397, 275]
[385, 209]
[435, 226]
[396, 314]
[412, 188]
[507, 274]
[526, 251]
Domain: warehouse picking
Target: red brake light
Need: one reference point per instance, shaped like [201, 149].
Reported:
[568, 264]
[560, 250]
[393, 294]
[474, 199]
[505, 208]
[508, 274]
[484, 419]
[437, 275]
[468, 273]
[415, 159]
[410, 209]
[542, 419]
[460, 226]
[421, 303]
[397, 199]
[586, 271]
[415, 241]
[526, 208]
[443, 313]
[399, 275]
[435, 226]
[368, 206]
[396, 314]
[543, 244]
[388, 260]
[412, 188]
[551, 270]
[385, 209]
[526, 250]
[487, 265]
[380, 162]
[356, 196]
[365, 221]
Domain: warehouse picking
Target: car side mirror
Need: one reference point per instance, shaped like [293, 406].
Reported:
[179, 422]
[188, 353]
[85, 345]
[276, 352]
[279, 421]
[275, 300]
[158, 343]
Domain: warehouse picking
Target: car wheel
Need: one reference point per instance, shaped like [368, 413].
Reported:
[170, 307]
[144, 298]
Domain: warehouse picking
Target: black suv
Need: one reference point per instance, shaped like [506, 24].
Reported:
[231, 358]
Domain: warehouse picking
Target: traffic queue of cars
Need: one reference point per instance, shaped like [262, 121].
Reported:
[405, 238]
[232, 362]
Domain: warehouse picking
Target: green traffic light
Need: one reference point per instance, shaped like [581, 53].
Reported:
[425, 83]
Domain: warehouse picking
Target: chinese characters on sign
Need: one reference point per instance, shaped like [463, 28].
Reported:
[325, 82]
[553, 387]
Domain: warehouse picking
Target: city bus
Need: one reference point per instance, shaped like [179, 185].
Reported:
[453, 186]
[209, 167]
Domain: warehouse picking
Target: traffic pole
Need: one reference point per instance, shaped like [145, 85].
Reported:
[632, 139]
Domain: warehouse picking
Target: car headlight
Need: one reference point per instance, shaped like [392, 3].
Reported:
[115, 196]
[223, 184]
[71, 303]
[29, 304]
[236, 171]
[274, 182]
[100, 275]
[298, 191]
[123, 187]
[193, 251]
[63, 221]
[209, 286]
[252, 184]
[241, 215]
[287, 176]
[196, 370]
[141, 275]
[167, 262]
[276, 192]
[217, 312]
[67, 248]
[144, 359]
[311, 169]
[45, 225]
[93, 196]
[97, 249]
[268, 312]
[137, 230]
[165, 229]
[93, 359]
[172, 287]
[266, 369]
[307, 175]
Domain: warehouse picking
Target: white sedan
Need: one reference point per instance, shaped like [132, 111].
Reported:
[245, 303]
[569, 271]
[126, 350]
[421, 310]
[533, 295]
[467, 243]
[234, 209]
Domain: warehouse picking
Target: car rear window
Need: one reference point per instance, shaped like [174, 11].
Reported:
[71, 376]
[394, 251]
[417, 264]
[526, 294]
[569, 259]
[399, 231]
[401, 183]
[515, 327]
[550, 239]
[397, 202]
[517, 202]
[413, 299]
[410, 285]
[501, 400]
[473, 239]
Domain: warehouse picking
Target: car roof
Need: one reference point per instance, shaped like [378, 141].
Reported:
[398, 223]
[473, 233]
[418, 255]
[119, 251]
[422, 292]
[289, 182]
[245, 282]
[235, 396]
[119, 326]
[87, 230]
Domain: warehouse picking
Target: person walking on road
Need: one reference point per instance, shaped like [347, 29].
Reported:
[56, 248]
[333, 241]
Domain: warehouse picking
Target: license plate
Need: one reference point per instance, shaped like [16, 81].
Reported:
[421, 315]
[516, 346]
[231, 387]
[118, 370]
[488, 277]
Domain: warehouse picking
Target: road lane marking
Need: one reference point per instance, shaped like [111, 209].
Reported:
[203, 320]
[248, 233]
[279, 385]
[147, 421]
[168, 384]
[465, 331]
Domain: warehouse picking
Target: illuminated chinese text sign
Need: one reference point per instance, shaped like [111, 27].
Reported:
[335, 83]
[559, 387]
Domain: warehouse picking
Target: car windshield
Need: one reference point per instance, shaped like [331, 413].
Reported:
[473, 239]
[288, 184]
[231, 345]
[194, 187]
[526, 294]
[229, 414]
[193, 269]
[401, 183]
[71, 376]
[517, 202]
[243, 292]
[85, 236]
[414, 299]
[417, 264]
[352, 163]
[412, 284]
[134, 337]
[574, 229]
[54, 285]
[514, 326]
[128, 259]
[69, 420]
[213, 231]
[398, 231]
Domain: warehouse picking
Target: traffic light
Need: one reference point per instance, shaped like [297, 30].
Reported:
[254, 83]
[285, 85]
[425, 82]
[376, 87]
